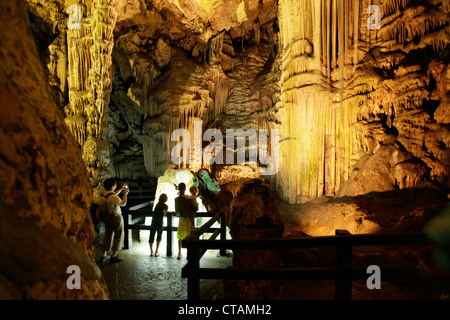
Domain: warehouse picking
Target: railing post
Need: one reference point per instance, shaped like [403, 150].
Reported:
[128, 237]
[193, 263]
[223, 233]
[343, 256]
[169, 234]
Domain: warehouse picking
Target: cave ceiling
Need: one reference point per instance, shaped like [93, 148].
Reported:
[337, 89]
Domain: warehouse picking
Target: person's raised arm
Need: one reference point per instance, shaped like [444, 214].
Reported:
[124, 187]
[124, 200]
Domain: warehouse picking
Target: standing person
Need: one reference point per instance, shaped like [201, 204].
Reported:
[114, 233]
[186, 209]
[157, 223]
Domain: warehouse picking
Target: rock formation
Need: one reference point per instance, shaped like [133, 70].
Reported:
[254, 215]
[335, 78]
[347, 88]
[45, 225]
[358, 91]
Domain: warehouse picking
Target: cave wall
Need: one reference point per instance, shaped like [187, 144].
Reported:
[78, 65]
[347, 90]
[45, 225]
[181, 62]
[339, 93]
[358, 110]
[319, 111]
[89, 81]
[175, 62]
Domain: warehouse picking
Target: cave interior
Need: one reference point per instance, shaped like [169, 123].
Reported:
[296, 118]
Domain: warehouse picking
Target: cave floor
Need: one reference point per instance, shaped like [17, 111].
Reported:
[141, 277]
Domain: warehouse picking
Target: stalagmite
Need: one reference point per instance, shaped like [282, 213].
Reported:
[324, 135]
[316, 70]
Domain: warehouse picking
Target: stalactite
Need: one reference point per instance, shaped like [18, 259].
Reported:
[321, 140]
[355, 33]
[327, 79]
[328, 38]
[89, 61]
[349, 95]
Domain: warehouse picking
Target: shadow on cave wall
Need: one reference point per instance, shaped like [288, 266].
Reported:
[399, 210]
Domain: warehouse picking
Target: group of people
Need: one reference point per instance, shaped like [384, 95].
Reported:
[186, 207]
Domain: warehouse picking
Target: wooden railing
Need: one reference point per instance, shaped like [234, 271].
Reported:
[343, 242]
[134, 218]
[140, 195]
[342, 273]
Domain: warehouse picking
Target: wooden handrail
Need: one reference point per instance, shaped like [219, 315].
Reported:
[309, 242]
[134, 216]
[309, 273]
[149, 213]
[140, 206]
[195, 235]
[342, 273]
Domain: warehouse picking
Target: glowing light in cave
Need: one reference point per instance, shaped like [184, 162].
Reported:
[167, 184]
[172, 178]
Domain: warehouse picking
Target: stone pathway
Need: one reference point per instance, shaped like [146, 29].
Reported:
[141, 277]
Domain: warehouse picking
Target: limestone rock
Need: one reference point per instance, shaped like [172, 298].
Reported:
[359, 109]
[390, 167]
[410, 173]
[333, 87]
[380, 83]
[254, 209]
[442, 113]
[45, 223]
[254, 215]
[371, 174]
[321, 218]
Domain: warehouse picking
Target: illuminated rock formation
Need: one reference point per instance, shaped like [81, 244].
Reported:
[265, 223]
[45, 225]
[79, 71]
[346, 88]
[335, 78]
[357, 89]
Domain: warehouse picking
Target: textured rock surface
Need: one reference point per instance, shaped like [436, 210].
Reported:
[44, 219]
[78, 64]
[255, 197]
[389, 168]
[254, 215]
[312, 69]
[391, 211]
[346, 88]
[359, 110]
[174, 62]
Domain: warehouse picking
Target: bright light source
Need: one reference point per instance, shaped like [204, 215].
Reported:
[172, 178]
